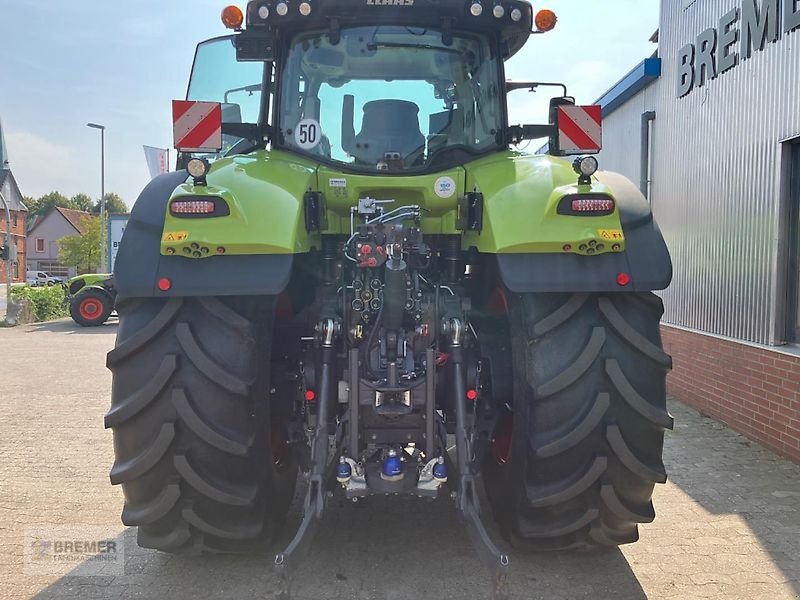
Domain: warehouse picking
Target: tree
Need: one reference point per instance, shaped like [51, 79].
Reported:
[82, 251]
[43, 205]
[53, 199]
[114, 204]
[83, 202]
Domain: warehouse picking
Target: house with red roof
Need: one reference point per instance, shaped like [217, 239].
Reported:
[44, 235]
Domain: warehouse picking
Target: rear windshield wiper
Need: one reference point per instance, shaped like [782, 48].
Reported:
[375, 45]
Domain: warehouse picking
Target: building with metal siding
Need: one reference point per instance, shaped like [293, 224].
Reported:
[623, 107]
[723, 178]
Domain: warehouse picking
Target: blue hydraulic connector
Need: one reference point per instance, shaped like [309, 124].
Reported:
[392, 467]
[440, 470]
[344, 472]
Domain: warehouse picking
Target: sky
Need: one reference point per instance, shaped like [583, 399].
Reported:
[65, 64]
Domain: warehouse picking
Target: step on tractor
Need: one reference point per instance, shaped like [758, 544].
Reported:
[356, 278]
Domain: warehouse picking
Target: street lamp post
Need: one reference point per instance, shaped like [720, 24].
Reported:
[102, 193]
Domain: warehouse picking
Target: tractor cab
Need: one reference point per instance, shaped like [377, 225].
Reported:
[368, 86]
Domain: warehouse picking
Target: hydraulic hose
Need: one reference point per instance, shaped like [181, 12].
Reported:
[394, 293]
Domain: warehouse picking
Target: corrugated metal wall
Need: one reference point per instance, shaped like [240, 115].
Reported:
[716, 175]
[622, 134]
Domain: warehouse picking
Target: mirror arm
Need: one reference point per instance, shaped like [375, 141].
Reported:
[533, 85]
[518, 133]
[248, 131]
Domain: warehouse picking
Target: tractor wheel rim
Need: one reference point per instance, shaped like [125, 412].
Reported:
[502, 442]
[498, 302]
[90, 308]
[503, 439]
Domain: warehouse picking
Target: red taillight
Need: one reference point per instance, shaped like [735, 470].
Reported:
[592, 205]
[164, 284]
[623, 279]
[193, 207]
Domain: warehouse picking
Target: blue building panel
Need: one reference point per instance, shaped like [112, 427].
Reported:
[642, 75]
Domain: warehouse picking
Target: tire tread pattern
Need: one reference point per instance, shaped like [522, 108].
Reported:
[135, 343]
[229, 495]
[191, 369]
[577, 368]
[141, 463]
[205, 431]
[152, 511]
[628, 458]
[247, 531]
[591, 379]
[659, 418]
[206, 365]
[579, 431]
[633, 337]
[138, 401]
[618, 508]
[571, 489]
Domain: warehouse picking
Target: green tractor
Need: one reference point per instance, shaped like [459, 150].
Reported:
[90, 298]
[361, 267]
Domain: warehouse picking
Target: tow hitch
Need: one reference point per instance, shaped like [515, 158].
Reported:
[389, 476]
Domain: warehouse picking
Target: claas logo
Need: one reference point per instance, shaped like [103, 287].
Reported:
[390, 2]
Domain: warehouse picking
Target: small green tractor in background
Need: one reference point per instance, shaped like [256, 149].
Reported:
[91, 298]
[357, 270]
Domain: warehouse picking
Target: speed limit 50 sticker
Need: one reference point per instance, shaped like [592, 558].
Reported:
[308, 134]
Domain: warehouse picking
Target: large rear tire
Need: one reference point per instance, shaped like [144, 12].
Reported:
[190, 412]
[575, 462]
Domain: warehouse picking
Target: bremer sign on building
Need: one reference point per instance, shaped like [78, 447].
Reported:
[715, 50]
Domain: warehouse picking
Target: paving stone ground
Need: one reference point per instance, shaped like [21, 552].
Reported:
[728, 523]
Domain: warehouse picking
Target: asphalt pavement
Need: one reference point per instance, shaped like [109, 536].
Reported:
[728, 523]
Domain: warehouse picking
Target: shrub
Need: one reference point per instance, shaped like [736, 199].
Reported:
[48, 302]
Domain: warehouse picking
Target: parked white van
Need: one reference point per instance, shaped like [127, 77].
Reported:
[42, 278]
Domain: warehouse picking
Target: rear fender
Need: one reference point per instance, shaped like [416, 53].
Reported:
[264, 197]
[97, 288]
[646, 260]
[140, 265]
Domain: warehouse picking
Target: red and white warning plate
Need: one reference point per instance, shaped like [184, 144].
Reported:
[197, 126]
[580, 129]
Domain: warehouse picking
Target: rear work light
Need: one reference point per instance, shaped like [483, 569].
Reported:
[596, 205]
[199, 207]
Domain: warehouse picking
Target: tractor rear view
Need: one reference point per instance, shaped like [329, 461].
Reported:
[356, 265]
